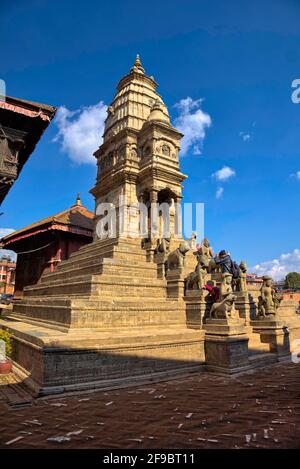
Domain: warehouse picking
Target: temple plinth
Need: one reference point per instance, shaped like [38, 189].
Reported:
[104, 316]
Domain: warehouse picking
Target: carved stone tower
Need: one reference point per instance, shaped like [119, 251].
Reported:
[138, 160]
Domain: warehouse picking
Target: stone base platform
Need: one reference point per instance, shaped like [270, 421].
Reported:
[226, 346]
[54, 362]
[274, 333]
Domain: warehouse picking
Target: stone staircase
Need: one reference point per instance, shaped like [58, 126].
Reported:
[102, 318]
[259, 352]
[103, 285]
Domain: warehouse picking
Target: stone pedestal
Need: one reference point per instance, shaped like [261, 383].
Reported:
[197, 308]
[216, 278]
[287, 312]
[175, 283]
[226, 346]
[160, 259]
[242, 305]
[274, 332]
[150, 247]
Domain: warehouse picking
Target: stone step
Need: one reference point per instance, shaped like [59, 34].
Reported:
[99, 267]
[103, 302]
[100, 250]
[44, 336]
[262, 359]
[255, 346]
[101, 314]
[67, 264]
[96, 285]
[66, 318]
[107, 278]
[116, 253]
[101, 305]
[128, 242]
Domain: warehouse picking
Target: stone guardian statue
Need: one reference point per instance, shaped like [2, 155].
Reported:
[223, 309]
[269, 300]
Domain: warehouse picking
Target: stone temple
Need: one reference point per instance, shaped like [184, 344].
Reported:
[129, 308]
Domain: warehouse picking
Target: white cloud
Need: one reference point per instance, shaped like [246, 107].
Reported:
[6, 252]
[219, 192]
[245, 136]
[295, 175]
[280, 267]
[80, 131]
[192, 122]
[224, 174]
[5, 231]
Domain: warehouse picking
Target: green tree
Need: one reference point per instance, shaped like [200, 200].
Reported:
[4, 335]
[292, 280]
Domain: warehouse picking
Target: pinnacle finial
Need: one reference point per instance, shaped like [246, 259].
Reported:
[137, 67]
[137, 60]
[78, 199]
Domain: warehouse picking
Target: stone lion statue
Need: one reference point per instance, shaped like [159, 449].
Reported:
[196, 280]
[163, 246]
[176, 258]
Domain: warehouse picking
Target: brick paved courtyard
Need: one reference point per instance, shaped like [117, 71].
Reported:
[257, 410]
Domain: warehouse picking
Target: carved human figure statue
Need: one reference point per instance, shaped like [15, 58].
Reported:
[205, 254]
[241, 281]
[269, 300]
[224, 308]
[192, 241]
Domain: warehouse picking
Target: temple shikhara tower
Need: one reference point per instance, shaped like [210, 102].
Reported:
[134, 305]
[138, 160]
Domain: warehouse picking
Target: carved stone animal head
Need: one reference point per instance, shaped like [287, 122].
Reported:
[206, 242]
[184, 248]
[243, 266]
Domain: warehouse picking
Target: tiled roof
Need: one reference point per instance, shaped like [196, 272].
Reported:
[75, 216]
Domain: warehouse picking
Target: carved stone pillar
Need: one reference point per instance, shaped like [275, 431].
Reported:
[198, 306]
[242, 305]
[176, 229]
[175, 283]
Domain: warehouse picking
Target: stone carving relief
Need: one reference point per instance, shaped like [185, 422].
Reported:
[165, 149]
[121, 154]
[146, 151]
[10, 145]
[133, 152]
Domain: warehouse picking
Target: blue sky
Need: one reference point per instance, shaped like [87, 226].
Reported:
[239, 57]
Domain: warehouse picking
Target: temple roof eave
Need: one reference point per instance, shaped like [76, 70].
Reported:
[141, 78]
